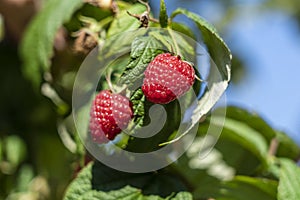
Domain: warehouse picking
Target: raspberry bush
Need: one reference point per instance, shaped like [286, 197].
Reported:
[145, 73]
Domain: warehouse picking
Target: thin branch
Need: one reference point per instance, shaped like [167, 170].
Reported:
[134, 15]
[177, 50]
[146, 4]
[273, 147]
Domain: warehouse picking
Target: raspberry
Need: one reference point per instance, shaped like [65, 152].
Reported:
[110, 114]
[167, 77]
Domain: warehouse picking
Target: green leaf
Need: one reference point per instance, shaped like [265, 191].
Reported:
[82, 121]
[289, 180]
[199, 179]
[248, 188]
[24, 178]
[183, 196]
[96, 181]
[1, 28]
[123, 22]
[125, 193]
[249, 147]
[143, 50]
[163, 16]
[138, 101]
[244, 135]
[287, 147]
[37, 44]
[244, 161]
[252, 119]
[187, 50]
[217, 48]
[206, 186]
[165, 38]
[130, 193]
[240, 188]
[171, 125]
[123, 26]
[116, 45]
[15, 149]
[81, 185]
[183, 29]
[94, 12]
[219, 76]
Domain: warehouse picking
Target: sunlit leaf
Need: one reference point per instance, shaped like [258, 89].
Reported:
[37, 44]
[248, 188]
[287, 147]
[289, 180]
[15, 149]
[96, 181]
[1, 28]
[245, 136]
[163, 16]
[124, 22]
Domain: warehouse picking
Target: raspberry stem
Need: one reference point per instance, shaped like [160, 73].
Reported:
[115, 89]
[145, 4]
[177, 50]
[108, 79]
[199, 79]
[273, 147]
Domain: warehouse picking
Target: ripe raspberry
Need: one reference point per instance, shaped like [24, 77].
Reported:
[110, 113]
[167, 77]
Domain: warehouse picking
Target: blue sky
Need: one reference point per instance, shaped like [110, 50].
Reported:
[270, 44]
[271, 86]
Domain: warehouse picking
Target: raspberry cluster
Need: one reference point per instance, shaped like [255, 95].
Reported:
[167, 77]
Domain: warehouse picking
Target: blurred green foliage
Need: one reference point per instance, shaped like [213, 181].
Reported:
[35, 164]
[30, 145]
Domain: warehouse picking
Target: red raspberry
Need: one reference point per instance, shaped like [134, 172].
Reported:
[110, 114]
[167, 77]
